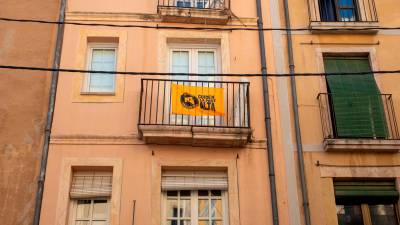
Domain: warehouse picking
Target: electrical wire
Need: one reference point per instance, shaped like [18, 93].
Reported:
[199, 74]
[5, 19]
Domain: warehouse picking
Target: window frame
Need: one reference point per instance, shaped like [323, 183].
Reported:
[194, 201]
[194, 50]
[366, 213]
[355, 9]
[86, 81]
[73, 207]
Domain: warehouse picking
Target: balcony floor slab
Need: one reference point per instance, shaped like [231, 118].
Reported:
[195, 136]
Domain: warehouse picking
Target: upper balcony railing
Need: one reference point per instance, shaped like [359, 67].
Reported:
[196, 4]
[358, 116]
[213, 12]
[342, 11]
[220, 104]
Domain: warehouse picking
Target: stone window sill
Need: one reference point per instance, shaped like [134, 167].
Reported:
[344, 27]
[361, 145]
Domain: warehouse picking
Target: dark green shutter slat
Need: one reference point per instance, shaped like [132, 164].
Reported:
[356, 102]
[372, 192]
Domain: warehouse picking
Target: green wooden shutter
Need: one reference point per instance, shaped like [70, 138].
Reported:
[371, 192]
[356, 102]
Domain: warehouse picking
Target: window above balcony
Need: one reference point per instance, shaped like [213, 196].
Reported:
[194, 11]
[342, 15]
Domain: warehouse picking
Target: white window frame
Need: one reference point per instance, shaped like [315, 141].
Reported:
[194, 50]
[86, 80]
[194, 199]
[74, 204]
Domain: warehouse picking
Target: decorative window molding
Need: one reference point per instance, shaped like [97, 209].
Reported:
[66, 177]
[98, 52]
[109, 39]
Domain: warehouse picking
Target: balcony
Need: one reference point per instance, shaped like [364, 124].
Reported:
[197, 113]
[338, 16]
[215, 12]
[359, 122]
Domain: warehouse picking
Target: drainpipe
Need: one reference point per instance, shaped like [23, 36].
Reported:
[304, 192]
[270, 152]
[50, 113]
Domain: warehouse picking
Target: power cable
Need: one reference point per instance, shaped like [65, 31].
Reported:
[193, 28]
[199, 74]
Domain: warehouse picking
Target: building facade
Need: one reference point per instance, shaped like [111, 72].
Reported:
[23, 104]
[187, 147]
[349, 124]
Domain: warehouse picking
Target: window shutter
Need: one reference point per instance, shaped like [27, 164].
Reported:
[356, 102]
[371, 192]
[89, 184]
[194, 180]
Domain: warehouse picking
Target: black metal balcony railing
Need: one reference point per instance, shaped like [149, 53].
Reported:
[342, 11]
[363, 116]
[197, 4]
[156, 103]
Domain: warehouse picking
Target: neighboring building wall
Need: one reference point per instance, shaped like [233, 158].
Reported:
[349, 164]
[23, 104]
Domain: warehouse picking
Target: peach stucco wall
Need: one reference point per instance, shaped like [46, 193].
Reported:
[101, 127]
[106, 127]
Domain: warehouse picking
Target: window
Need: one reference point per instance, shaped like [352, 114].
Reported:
[366, 202]
[90, 197]
[202, 60]
[101, 57]
[194, 198]
[338, 10]
[91, 212]
[194, 60]
[355, 101]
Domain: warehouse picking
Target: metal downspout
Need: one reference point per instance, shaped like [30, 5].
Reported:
[299, 144]
[50, 113]
[270, 152]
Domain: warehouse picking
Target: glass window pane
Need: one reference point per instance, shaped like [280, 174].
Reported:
[185, 193]
[81, 222]
[100, 209]
[383, 215]
[216, 222]
[185, 222]
[216, 208]
[215, 193]
[97, 66]
[203, 222]
[349, 215]
[185, 208]
[172, 222]
[203, 193]
[347, 15]
[172, 193]
[180, 64]
[102, 60]
[206, 64]
[203, 208]
[83, 209]
[99, 222]
[108, 55]
[172, 208]
[101, 82]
